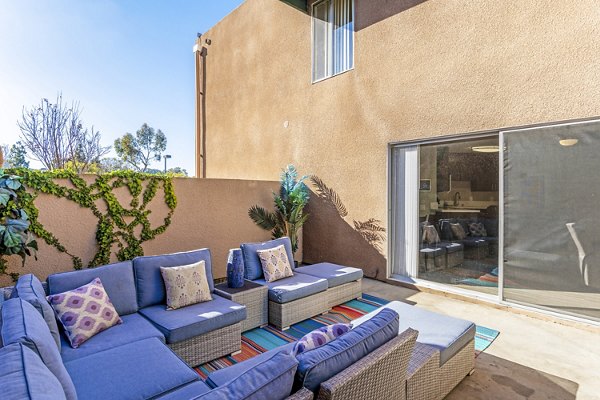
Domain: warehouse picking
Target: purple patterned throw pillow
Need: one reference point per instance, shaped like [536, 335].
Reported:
[84, 312]
[320, 337]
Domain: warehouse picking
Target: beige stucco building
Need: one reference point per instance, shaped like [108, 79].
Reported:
[420, 69]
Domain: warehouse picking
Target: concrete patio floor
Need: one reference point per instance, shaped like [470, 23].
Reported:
[531, 358]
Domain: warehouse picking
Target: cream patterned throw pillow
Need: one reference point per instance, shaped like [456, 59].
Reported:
[458, 231]
[186, 285]
[275, 263]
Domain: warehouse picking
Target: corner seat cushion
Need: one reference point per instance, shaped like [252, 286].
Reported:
[23, 375]
[30, 289]
[447, 334]
[188, 391]
[138, 370]
[221, 376]
[270, 379]
[293, 288]
[117, 280]
[149, 281]
[335, 274]
[252, 265]
[134, 328]
[318, 365]
[196, 319]
[21, 323]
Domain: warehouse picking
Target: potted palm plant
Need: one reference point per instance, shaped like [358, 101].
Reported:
[15, 238]
[289, 215]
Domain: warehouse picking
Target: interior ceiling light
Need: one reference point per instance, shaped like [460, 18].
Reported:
[486, 149]
[568, 142]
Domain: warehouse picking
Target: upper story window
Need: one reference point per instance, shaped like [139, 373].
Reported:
[333, 37]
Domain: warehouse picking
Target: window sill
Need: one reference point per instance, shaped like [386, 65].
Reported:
[333, 76]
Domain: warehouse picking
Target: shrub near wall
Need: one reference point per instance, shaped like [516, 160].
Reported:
[120, 228]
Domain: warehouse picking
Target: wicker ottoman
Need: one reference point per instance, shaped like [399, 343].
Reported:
[432, 259]
[254, 297]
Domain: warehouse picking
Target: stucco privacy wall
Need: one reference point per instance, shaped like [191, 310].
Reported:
[422, 69]
[210, 213]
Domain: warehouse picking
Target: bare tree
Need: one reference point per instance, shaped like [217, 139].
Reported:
[55, 136]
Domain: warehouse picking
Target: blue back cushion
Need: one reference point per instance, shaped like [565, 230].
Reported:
[117, 280]
[252, 266]
[270, 379]
[30, 289]
[318, 365]
[149, 281]
[21, 323]
[23, 375]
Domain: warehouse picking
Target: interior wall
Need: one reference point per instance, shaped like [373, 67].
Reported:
[422, 69]
[210, 213]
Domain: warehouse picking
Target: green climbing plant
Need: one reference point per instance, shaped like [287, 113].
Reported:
[15, 236]
[125, 227]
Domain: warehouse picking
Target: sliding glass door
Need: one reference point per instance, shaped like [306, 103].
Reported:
[552, 218]
[514, 215]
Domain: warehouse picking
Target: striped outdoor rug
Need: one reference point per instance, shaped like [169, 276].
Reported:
[260, 340]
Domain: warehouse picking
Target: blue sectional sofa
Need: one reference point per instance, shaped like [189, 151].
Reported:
[383, 355]
[313, 289]
[476, 247]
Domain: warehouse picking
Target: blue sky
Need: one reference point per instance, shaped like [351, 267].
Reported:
[127, 62]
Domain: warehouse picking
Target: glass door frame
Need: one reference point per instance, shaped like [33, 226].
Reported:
[393, 203]
[494, 299]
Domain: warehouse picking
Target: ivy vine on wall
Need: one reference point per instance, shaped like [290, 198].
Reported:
[117, 225]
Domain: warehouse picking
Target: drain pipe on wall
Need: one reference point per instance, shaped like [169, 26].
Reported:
[200, 56]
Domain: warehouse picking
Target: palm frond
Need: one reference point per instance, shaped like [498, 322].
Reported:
[263, 218]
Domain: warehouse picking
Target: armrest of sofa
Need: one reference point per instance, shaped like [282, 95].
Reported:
[374, 374]
[302, 394]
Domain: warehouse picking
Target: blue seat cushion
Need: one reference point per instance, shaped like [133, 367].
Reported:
[318, 365]
[335, 274]
[117, 280]
[449, 335]
[23, 375]
[138, 370]
[30, 289]
[134, 328]
[270, 379]
[149, 281]
[252, 265]
[293, 288]
[451, 247]
[187, 392]
[221, 376]
[21, 323]
[432, 251]
[196, 319]
[474, 242]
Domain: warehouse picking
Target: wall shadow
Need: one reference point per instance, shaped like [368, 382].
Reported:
[370, 12]
[328, 237]
[498, 379]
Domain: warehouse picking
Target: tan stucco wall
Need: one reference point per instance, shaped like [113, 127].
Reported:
[210, 213]
[422, 69]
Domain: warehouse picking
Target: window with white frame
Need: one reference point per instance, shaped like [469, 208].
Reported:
[333, 37]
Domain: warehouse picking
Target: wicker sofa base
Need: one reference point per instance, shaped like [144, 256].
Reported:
[343, 293]
[211, 345]
[457, 368]
[286, 314]
[426, 380]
